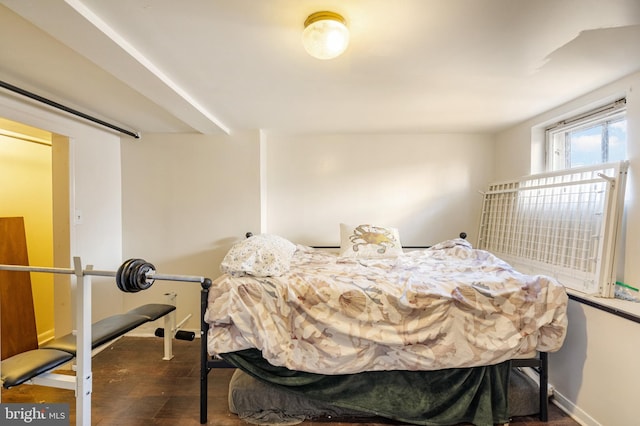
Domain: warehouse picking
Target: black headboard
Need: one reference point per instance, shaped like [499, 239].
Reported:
[462, 235]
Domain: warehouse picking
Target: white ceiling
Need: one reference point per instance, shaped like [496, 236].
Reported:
[225, 65]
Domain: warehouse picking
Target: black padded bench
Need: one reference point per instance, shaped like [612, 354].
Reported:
[112, 327]
[24, 366]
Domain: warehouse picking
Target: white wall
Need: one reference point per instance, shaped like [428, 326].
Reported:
[186, 199]
[596, 372]
[426, 185]
[95, 190]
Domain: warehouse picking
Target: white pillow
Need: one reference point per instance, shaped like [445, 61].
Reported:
[261, 255]
[369, 241]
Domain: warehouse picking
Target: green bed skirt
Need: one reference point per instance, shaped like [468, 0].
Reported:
[475, 395]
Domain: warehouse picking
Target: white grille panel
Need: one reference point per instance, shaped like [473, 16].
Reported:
[563, 224]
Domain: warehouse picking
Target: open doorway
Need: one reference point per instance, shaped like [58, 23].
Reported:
[34, 184]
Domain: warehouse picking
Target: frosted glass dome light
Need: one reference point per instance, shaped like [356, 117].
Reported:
[325, 35]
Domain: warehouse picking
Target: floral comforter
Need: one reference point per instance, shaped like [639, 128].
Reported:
[443, 307]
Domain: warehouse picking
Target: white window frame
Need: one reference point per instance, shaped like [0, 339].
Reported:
[558, 147]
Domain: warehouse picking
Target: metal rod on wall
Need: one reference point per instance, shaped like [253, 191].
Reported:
[67, 109]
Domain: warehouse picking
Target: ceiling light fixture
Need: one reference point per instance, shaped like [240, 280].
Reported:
[325, 35]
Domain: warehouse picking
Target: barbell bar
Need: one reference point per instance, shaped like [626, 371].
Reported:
[132, 276]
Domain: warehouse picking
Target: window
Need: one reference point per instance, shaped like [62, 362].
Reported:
[599, 136]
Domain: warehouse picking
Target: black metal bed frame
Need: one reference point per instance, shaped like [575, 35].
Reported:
[207, 363]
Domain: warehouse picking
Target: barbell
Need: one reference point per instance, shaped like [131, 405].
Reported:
[132, 276]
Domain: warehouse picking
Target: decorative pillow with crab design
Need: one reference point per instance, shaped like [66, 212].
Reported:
[369, 241]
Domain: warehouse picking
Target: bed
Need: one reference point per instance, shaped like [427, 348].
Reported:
[424, 336]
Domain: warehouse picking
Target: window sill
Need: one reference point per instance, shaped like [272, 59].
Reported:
[622, 308]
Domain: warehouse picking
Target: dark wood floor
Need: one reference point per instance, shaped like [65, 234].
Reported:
[133, 386]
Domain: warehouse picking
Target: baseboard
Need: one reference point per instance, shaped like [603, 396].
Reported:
[563, 403]
[46, 336]
[573, 411]
[140, 334]
[533, 375]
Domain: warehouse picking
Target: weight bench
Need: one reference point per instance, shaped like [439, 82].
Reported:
[26, 366]
[36, 366]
